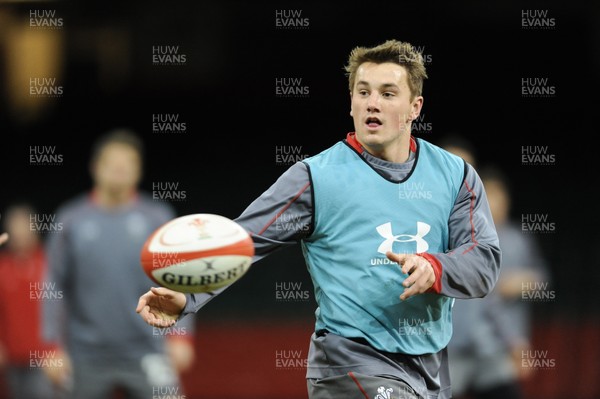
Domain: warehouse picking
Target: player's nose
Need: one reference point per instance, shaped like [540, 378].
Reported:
[373, 102]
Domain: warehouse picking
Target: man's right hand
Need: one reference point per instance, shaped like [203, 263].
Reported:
[161, 307]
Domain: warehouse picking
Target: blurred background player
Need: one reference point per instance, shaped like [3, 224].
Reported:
[95, 262]
[491, 333]
[22, 265]
[460, 146]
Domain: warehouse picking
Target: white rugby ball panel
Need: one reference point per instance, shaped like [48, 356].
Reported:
[195, 233]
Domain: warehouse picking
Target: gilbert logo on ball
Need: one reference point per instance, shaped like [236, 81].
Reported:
[197, 253]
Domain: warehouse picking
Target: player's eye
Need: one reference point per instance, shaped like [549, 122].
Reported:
[363, 93]
[388, 94]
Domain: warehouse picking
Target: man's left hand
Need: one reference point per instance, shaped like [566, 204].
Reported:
[421, 276]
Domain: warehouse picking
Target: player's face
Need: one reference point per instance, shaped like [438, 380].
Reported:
[461, 152]
[22, 236]
[381, 105]
[498, 201]
[118, 168]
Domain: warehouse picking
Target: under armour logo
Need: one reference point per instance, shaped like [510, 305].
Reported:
[385, 230]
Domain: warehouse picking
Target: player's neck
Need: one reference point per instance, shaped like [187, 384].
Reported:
[397, 151]
[113, 198]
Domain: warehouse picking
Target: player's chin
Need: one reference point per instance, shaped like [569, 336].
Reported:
[372, 138]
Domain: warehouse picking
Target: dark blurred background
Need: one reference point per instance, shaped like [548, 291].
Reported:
[477, 54]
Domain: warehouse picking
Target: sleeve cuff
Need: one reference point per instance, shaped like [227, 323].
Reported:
[436, 288]
[196, 301]
[189, 306]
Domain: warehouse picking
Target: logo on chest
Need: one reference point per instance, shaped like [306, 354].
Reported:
[385, 231]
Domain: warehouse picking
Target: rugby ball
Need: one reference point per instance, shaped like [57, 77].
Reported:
[197, 253]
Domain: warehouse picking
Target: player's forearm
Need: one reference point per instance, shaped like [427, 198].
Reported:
[263, 247]
[281, 216]
[470, 268]
[468, 275]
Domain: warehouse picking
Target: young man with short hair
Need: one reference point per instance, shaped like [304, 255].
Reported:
[397, 228]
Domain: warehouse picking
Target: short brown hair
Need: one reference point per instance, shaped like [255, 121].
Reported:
[394, 51]
[118, 136]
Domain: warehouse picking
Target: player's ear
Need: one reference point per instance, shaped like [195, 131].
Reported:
[417, 105]
[351, 104]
